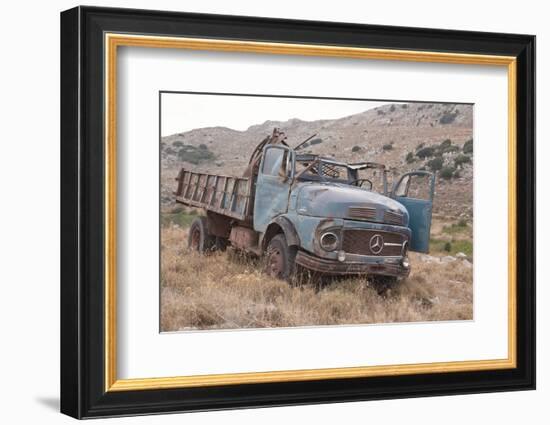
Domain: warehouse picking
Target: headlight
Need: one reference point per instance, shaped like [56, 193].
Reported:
[329, 241]
[405, 261]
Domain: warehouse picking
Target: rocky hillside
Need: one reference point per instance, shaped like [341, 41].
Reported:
[436, 137]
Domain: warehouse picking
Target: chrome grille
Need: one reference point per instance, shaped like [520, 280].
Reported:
[393, 217]
[357, 241]
[365, 213]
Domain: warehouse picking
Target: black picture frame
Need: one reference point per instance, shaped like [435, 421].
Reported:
[83, 392]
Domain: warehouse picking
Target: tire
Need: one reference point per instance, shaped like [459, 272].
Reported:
[199, 239]
[280, 258]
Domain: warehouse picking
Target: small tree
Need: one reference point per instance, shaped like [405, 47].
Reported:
[468, 146]
[446, 173]
[426, 152]
[462, 159]
[409, 158]
[435, 164]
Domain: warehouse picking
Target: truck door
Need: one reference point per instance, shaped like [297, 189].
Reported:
[415, 191]
[273, 185]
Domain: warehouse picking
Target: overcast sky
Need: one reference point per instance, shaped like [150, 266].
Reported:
[183, 112]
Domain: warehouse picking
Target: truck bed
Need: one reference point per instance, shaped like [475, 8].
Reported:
[226, 195]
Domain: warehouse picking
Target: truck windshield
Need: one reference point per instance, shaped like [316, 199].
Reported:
[322, 171]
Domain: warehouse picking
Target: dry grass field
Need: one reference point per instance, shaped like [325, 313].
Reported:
[225, 290]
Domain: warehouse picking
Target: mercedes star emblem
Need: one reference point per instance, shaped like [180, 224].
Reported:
[376, 244]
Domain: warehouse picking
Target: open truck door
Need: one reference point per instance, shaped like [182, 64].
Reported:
[273, 185]
[415, 191]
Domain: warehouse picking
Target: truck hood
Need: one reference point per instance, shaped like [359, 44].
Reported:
[335, 200]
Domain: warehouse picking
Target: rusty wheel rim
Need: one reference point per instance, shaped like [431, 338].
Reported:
[275, 263]
[195, 239]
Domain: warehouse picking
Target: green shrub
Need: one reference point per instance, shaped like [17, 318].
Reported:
[203, 146]
[195, 155]
[356, 149]
[180, 218]
[446, 173]
[426, 152]
[409, 158]
[404, 106]
[387, 147]
[468, 146]
[435, 164]
[445, 143]
[448, 247]
[446, 149]
[177, 144]
[448, 117]
[392, 108]
[462, 159]
[316, 141]
[420, 146]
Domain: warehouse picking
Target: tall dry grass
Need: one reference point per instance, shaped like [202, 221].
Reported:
[225, 290]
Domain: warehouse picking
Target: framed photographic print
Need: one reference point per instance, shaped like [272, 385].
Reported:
[261, 212]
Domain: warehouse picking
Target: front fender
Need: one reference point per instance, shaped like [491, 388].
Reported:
[288, 228]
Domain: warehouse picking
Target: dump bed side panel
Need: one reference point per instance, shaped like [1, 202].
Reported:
[226, 195]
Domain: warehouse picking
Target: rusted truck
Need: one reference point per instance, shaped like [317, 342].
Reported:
[308, 212]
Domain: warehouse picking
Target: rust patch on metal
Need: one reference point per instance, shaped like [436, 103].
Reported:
[243, 237]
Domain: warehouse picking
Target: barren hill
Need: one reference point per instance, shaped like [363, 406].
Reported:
[394, 134]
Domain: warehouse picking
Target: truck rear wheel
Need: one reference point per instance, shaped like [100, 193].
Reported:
[199, 239]
[280, 258]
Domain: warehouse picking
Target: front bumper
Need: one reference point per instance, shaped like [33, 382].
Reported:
[387, 266]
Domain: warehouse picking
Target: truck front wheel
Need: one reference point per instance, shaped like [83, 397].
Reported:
[280, 258]
[199, 239]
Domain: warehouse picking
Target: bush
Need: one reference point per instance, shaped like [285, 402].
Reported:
[177, 144]
[451, 148]
[387, 147]
[392, 108]
[456, 175]
[426, 152]
[435, 164]
[195, 155]
[446, 173]
[468, 146]
[203, 146]
[445, 143]
[409, 158]
[448, 117]
[448, 247]
[462, 159]
[404, 106]
[420, 146]
[380, 112]
[356, 149]
[316, 141]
